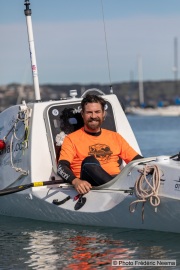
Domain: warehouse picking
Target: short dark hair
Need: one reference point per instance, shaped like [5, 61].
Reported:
[93, 99]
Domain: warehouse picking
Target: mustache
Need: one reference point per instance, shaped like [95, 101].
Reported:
[94, 119]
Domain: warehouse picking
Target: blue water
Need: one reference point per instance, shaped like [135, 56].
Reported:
[157, 135]
[27, 244]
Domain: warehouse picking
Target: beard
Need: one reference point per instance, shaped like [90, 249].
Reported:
[94, 124]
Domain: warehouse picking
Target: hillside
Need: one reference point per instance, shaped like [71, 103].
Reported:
[155, 92]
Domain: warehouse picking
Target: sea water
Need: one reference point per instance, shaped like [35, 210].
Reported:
[28, 244]
[156, 135]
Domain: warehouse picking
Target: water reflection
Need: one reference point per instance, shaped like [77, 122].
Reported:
[27, 244]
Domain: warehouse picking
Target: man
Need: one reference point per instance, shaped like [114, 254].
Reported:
[90, 156]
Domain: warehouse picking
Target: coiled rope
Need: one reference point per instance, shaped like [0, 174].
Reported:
[146, 188]
[22, 117]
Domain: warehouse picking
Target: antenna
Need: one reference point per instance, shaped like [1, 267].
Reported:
[27, 13]
[111, 89]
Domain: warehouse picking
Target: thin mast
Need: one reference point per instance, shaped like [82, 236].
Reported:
[175, 69]
[141, 88]
[111, 89]
[27, 13]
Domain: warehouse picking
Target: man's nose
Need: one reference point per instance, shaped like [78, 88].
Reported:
[93, 115]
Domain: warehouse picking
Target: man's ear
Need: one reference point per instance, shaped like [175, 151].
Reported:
[105, 114]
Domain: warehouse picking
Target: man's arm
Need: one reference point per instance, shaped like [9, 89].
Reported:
[66, 173]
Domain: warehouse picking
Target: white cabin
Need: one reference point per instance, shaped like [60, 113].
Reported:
[30, 132]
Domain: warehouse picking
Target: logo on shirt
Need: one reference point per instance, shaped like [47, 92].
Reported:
[100, 151]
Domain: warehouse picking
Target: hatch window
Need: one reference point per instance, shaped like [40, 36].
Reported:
[64, 119]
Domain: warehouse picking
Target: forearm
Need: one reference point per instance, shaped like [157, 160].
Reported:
[65, 171]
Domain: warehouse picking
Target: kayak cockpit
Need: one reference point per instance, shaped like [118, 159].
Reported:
[62, 119]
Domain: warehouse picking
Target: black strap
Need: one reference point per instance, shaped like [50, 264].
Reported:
[56, 202]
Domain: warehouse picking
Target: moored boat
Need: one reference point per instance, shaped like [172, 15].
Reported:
[172, 110]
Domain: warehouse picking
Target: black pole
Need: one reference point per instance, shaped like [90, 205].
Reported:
[16, 189]
[27, 11]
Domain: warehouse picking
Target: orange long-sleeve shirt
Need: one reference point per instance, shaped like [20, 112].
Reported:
[107, 147]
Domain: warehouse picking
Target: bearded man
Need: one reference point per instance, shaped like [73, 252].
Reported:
[90, 156]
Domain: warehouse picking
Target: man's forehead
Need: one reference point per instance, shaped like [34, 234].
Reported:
[93, 105]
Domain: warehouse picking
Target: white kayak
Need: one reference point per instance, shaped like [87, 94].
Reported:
[145, 195]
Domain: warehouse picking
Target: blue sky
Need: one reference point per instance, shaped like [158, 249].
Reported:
[70, 41]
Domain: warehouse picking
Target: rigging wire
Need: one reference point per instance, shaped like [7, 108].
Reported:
[107, 54]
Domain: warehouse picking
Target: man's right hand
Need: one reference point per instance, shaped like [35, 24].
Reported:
[81, 186]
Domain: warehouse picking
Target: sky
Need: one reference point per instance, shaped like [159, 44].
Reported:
[72, 46]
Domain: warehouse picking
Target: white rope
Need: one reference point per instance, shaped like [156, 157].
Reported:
[146, 188]
[25, 120]
[17, 169]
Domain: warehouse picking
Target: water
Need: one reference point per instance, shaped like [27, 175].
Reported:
[157, 135]
[27, 244]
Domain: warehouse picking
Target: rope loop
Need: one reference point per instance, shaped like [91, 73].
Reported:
[146, 188]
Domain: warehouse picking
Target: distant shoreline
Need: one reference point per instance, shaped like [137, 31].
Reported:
[155, 92]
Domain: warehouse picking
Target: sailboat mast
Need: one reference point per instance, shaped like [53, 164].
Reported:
[141, 87]
[175, 69]
[27, 13]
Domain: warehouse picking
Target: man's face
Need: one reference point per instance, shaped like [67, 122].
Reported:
[93, 117]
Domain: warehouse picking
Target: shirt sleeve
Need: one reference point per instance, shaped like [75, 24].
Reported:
[65, 172]
[127, 152]
[67, 150]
